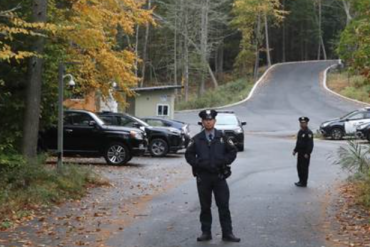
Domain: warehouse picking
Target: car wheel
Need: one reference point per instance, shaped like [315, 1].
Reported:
[337, 134]
[158, 147]
[117, 154]
[241, 147]
[129, 158]
[368, 137]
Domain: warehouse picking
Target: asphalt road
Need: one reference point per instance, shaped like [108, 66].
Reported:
[267, 209]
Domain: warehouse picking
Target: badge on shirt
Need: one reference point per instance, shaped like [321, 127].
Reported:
[303, 135]
[230, 142]
[191, 142]
[309, 136]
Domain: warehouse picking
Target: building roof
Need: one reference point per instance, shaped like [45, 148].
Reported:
[165, 87]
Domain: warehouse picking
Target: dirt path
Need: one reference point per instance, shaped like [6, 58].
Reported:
[104, 211]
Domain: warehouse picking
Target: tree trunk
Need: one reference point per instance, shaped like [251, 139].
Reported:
[323, 48]
[33, 93]
[347, 9]
[321, 39]
[175, 50]
[257, 61]
[186, 50]
[283, 41]
[219, 61]
[186, 69]
[137, 50]
[319, 22]
[267, 41]
[204, 43]
[145, 50]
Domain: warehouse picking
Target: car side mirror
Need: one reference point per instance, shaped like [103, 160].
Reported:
[244, 123]
[137, 125]
[92, 123]
[200, 123]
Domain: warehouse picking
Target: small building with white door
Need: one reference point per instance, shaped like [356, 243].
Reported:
[153, 101]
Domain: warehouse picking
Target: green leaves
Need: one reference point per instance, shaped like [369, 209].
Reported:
[354, 45]
[355, 158]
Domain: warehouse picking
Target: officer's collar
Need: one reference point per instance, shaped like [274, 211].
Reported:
[216, 133]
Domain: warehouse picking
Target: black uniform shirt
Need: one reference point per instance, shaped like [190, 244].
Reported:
[210, 156]
[304, 142]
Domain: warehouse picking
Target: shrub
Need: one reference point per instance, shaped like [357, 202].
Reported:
[355, 158]
[26, 187]
[225, 94]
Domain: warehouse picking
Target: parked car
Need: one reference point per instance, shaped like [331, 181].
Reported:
[346, 125]
[163, 122]
[232, 127]
[85, 134]
[363, 131]
[162, 140]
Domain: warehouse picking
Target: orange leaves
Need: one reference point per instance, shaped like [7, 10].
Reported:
[88, 31]
[16, 26]
[7, 54]
[94, 42]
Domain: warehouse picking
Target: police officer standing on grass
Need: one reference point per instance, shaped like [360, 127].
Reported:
[210, 154]
[304, 149]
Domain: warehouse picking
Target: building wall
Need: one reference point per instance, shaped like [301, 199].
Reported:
[144, 105]
[146, 102]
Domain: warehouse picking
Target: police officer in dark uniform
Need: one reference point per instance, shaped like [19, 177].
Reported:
[304, 149]
[210, 154]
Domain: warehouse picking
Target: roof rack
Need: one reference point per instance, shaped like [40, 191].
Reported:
[229, 111]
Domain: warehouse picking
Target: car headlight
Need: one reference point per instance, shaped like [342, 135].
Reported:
[183, 129]
[361, 127]
[324, 125]
[136, 135]
[175, 131]
[240, 130]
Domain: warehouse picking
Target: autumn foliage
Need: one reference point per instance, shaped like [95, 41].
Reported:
[93, 37]
[88, 30]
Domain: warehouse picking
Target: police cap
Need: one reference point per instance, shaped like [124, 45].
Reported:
[208, 114]
[304, 119]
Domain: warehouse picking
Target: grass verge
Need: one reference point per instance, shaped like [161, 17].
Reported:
[355, 158]
[26, 188]
[228, 93]
[351, 86]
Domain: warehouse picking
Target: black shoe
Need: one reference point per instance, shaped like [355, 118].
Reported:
[206, 236]
[230, 238]
[299, 184]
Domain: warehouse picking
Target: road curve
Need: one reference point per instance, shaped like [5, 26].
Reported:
[267, 209]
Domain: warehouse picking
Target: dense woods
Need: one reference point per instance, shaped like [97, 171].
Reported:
[198, 44]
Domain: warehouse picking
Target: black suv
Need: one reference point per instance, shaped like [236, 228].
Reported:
[163, 122]
[85, 134]
[346, 125]
[162, 140]
[228, 122]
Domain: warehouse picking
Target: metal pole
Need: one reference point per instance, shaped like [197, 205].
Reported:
[60, 115]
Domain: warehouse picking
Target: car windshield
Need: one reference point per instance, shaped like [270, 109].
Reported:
[349, 115]
[139, 120]
[99, 120]
[226, 119]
